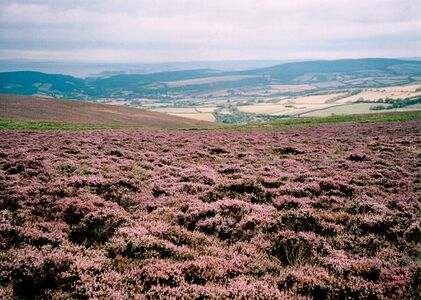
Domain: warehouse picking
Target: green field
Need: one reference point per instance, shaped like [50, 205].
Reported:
[6, 124]
[353, 119]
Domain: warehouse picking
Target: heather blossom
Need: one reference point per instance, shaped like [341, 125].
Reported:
[322, 212]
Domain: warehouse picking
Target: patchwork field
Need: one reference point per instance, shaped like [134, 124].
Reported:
[321, 105]
[398, 92]
[316, 104]
[321, 212]
[352, 108]
[315, 99]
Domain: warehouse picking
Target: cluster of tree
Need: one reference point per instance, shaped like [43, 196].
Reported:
[396, 103]
[235, 116]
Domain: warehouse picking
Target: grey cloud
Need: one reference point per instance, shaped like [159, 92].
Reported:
[167, 30]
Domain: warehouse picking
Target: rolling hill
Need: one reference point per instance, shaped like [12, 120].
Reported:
[39, 109]
[373, 72]
[30, 83]
[290, 72]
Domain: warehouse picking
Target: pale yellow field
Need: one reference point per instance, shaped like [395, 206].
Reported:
[282, 109]
[317, 99]
[395, 92]
[261, 108]
[198, 116]
[197, 113]
[301, 109]
[176, 110]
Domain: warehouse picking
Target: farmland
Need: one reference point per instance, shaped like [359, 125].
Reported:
[299, 89]
[313, 103]
[319, 212]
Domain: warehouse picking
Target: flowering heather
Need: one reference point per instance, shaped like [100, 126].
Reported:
[325, 212]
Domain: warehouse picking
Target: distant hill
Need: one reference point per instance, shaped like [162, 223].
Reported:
[375, 72]
[30, 83]
[92, 69]
[38, 109]
[143, 82]
[290, 72]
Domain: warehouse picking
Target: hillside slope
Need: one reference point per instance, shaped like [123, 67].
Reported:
[372, 72]
[290, 72]
[31, 83]
[40, 109]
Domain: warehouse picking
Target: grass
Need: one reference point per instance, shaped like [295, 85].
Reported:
[7, 124]
[348, 119]
[10, 124]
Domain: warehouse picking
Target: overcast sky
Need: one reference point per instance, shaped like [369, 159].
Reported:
[137, 31]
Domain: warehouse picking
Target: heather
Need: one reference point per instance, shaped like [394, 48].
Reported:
[321, 212]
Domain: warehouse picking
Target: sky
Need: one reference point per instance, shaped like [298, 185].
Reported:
[150, 31]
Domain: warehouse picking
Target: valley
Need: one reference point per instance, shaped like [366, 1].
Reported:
[289, 90]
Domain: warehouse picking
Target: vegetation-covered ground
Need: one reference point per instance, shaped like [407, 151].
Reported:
[17, 124]
[318, 212]
[28, 111]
